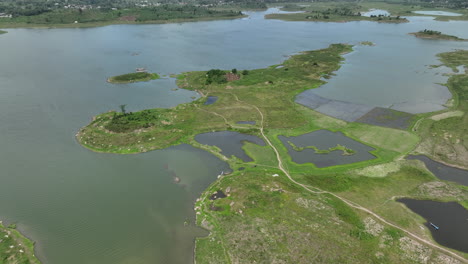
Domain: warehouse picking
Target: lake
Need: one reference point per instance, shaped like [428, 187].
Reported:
[85, 207]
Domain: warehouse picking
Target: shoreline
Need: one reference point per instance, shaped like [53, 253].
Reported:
[110, 23]
[22, 241]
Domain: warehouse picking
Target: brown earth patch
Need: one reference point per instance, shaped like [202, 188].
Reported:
[127, 18]
[232, 77]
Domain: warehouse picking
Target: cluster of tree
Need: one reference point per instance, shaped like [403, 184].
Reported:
[430, 32]
[216, 76]
[126, 122]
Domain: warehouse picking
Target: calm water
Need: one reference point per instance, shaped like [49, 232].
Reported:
[84, 207]
[442, 171]
[451, 218]
[437, 13]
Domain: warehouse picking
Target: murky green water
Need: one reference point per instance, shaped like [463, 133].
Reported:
[82, 207]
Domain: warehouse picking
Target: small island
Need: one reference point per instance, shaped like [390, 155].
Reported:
[2, 32]
[139, 76]
[432, 34]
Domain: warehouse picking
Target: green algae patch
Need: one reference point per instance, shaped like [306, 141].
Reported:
[134, 77]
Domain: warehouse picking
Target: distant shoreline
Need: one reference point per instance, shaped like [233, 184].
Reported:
[115, 22]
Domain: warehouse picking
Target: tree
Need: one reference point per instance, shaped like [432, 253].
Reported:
[234, 71]
[245, 72]
[122, 108]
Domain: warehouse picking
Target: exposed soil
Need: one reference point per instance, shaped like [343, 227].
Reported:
[232, 77]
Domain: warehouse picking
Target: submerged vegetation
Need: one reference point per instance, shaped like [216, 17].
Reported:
[432, 34]
[133, 77]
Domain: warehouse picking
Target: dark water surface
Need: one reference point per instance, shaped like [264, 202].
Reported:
[83, 207]
[323, 140]
[451, 218]
[442, 171]
[211, 100]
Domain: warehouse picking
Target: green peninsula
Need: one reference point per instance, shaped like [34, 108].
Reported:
[276, 209]
[432, 34]
[86, 17]
[15, 248]
[134, 77]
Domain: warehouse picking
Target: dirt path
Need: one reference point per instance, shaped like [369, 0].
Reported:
[350, 203]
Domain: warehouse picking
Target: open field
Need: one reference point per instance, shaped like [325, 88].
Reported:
[15, 248]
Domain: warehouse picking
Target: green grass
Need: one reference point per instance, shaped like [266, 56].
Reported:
[9, 236]
[3, 32]
[134, 77]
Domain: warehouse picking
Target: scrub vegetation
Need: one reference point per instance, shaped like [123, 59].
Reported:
[277, 210]
[432, 34]
[15, 248]
[133, 77]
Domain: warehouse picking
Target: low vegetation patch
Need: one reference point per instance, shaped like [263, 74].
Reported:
[133, 77]
[3, 32]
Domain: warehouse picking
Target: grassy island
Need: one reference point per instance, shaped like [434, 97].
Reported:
[2, 32]
[276, 209]
[133, 77]
[432, 34]
[15, 248]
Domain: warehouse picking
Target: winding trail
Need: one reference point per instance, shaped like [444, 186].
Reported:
[350, 203]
